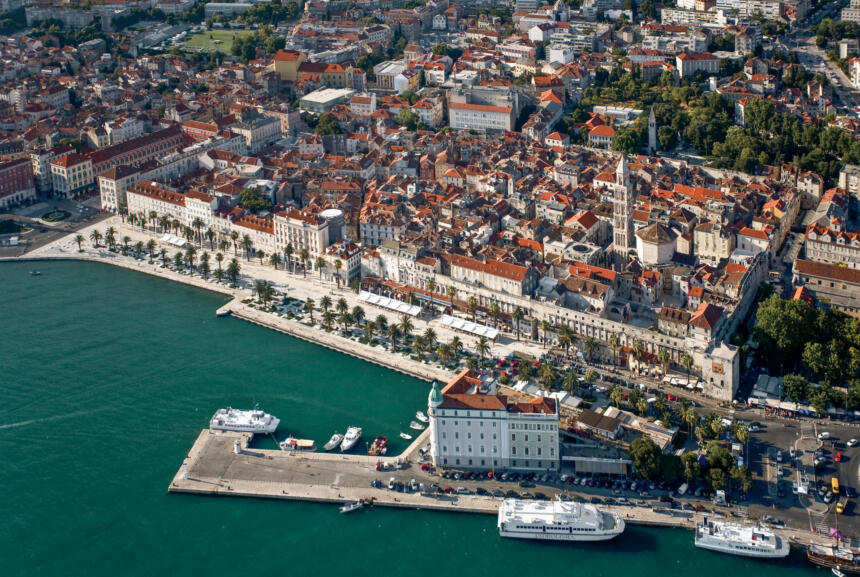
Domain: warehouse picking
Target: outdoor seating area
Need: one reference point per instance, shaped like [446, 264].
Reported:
[470, 327]
[390, 304]
[174, 240]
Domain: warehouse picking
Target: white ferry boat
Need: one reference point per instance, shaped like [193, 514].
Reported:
[557, 521]
[255, 421]
[353, 434]
[735, 539]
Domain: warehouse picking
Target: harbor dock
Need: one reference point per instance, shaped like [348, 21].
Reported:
[213, 466]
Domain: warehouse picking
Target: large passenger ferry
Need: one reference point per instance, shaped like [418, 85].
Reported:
[742, 540]
[557, 521]
[255, 421]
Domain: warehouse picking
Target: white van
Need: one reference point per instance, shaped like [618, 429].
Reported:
[682, 490]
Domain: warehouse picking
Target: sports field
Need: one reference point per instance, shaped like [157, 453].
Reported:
[213, 40]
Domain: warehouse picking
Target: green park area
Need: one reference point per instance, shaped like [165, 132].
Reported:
[213, 40]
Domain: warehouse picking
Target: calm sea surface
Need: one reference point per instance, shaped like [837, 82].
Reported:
[109, 375]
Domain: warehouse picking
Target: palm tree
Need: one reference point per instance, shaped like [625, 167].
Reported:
[175, 224]
[495, 310]
[344, 318]
[381, 322]
[456, 345]
[589, 345]
[220, 258]
[138, 247]
[233, 271]
[369, 329]
[517, 316]
[565, 337]
[483, 347]
[150, 246]
[164, 223]
[616, 395]
[234, 236]
[153, 217]
[419, 346]
[247, 245]
[451, 292]
[309, 307]
[222, 245]
[544, 327]
[259, 289]
[687, 363]
[393, 334]
[261, 255]
[663, 357]
[204, 264]
[342, 306]
[405, 326]
[198, 224]
[590, 376]
[327, 320]
[288, 256]
[337, 266]
[472, 305]
[443, 352]
[430, 337]
[110, 236]
[431, 285]
[188, 232]
[319, 263]
[275, 260]
[79, 238]
[190, 253]
[304, 256]
[357, 314]
[95, 236]
[547, 376]
[638, 351]
[125, 241]
[641, 406]
[163, 255]
[177, 259]
[570, 381]
[132, 219]
[325, 302]
[210, 236]
[614, 344]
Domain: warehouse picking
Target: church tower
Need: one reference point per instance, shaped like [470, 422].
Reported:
[622, 210]
[652, 133]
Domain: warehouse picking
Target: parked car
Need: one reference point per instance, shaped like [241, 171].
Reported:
[851, 442]
[779, 456]
[823, 435]
[792, 452]
[838, 457]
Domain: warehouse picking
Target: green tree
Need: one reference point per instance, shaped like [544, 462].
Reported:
[252, 199]
[327, 125]
[795, 388]
[692, 469]
[645, 455]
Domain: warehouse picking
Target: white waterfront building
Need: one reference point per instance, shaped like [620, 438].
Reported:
[470, 429]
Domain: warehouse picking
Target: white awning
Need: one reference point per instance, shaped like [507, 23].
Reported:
[470, 327]
[390, 304]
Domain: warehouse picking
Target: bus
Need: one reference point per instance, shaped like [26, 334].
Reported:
[834, 485]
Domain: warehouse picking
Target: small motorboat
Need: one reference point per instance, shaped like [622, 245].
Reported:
[293, 444]
[334, 442]
[422, 417]
[406, 436]
[837, 571]
[350, 507]
[35, 273]
[416, 425]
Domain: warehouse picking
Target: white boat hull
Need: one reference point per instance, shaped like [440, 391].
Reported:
[783, 551]
[559, 535]
[269, 428]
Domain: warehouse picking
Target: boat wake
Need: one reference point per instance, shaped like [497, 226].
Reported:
[49, 419]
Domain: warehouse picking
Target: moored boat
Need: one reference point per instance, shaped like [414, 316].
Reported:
[557, 521]
[255, 421]
[406, 436]
[844, 559]
[334, 442]
[350, 507]
[422, 417]
[353, 434]
[378, 447]
[416, 425]
[293, 444]
[743, 540]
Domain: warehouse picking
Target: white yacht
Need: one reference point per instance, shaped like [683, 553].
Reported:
[735, 539]
[255, 421]
[557, 521]
[422, 417]
[353, 434]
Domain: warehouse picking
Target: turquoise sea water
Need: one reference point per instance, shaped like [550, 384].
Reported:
[106, 378]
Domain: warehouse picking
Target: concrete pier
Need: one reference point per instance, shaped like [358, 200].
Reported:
[213, 468]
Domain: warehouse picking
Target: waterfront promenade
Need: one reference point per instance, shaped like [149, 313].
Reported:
[296, 286]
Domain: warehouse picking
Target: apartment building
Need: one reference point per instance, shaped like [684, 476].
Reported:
[16, 182]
